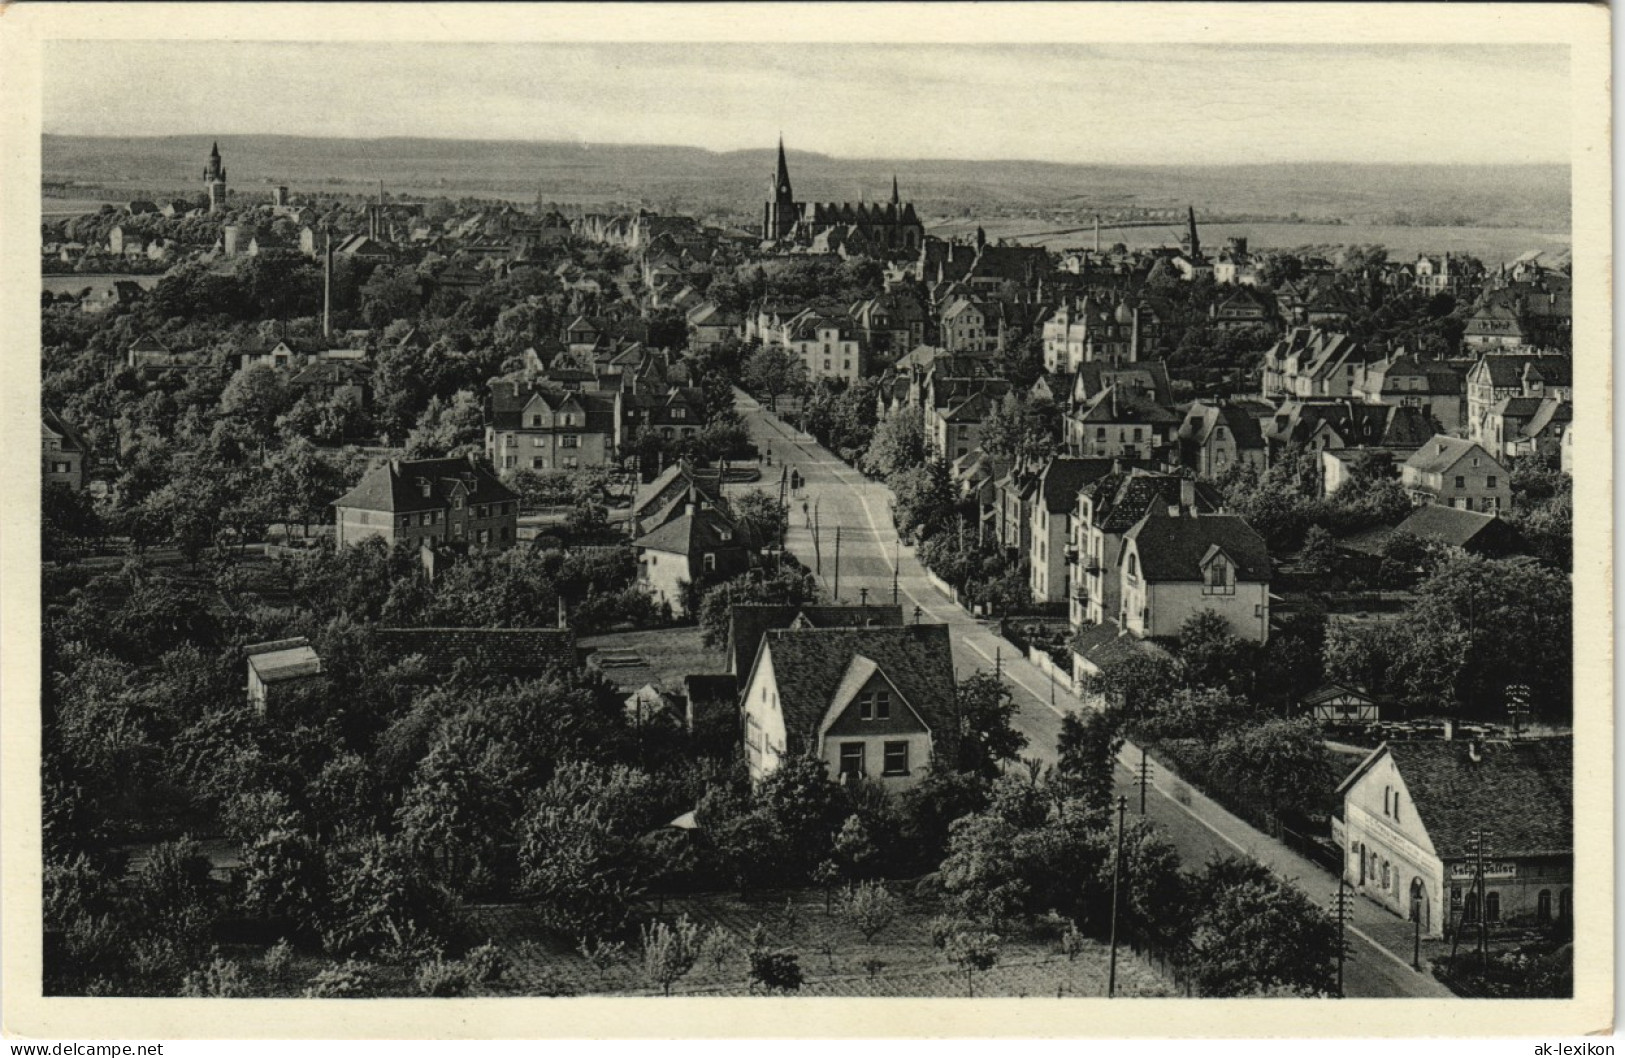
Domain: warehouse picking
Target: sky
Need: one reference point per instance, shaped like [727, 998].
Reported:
[1091, 104]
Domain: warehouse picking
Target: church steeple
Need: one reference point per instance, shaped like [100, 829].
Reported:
[896, 199]
[781, 180]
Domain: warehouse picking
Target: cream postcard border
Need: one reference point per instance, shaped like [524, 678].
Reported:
[1585, 28]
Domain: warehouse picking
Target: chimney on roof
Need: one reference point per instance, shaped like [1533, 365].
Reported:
[1187, 495]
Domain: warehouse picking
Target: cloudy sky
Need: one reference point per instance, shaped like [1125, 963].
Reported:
[1124, 104]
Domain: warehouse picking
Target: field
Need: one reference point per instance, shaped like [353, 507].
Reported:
[834, 958]
[729, 186]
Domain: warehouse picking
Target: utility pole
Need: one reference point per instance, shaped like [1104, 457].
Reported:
[1483, 912]
[1517, 697]
[863, 596]
[1145, 777]
[837, 563]
[896, 565]
[818, 552]
[1340, 910]
[1416, 939]
[998, 663]
[1117, 878]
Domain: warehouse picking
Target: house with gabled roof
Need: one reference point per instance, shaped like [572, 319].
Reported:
[1217, 436]
[1457, 472]
[700, 545]
[1500, 375]
[62, 452]
[1107, 508]
[957, 430]
[1175, 566]
[540, 427]
[450, 500]
[873, 704]
[1527, 426]
[1407, 823]
[1120, 423]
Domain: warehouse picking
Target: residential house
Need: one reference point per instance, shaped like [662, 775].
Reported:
[62, 452]
[1455, 472]
[1475, 532]
[1174, 567]
[967, 326]
[891, 324]
[827, 346]
[1332, 425]
[1447, 274]
[873, 704]
[1499, 375]
[957, 430]
[1106, 510]
[1404, 380]
[710, 326]
[1409, 815]
[1217, 436]
[1053, 503]
[279, 664]
[1527, 426]
[1244, 308]
[663, 498]
[541, 428]
[701, 545]
[1013, 517]
[451, 500]
[1308, 362]
[1093, 330]
[1120, 424]
[1334, 704]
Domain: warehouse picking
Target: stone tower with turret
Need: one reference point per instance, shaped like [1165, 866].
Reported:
[214, 181]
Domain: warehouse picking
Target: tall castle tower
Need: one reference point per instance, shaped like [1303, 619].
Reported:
[214, 181]
[779, 214]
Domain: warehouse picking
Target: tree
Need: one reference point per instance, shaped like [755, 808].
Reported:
[925, 499]
[772, 370]
[69, 518]
[791, 586]
[1023, 430]
[1087, 756]
[870, 908]
[805, 808]
[1210, 655]
[1284, 765]
[669, 952]
[1252, 933]
[897, 445]
[763, 516]
[775, 971]
[256, 395]
[1318, 551]
[448, 428]
[390, 294]
[985, 735]
[973, 952]
[1136, 683]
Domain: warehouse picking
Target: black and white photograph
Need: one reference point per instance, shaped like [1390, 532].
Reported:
[674, 514]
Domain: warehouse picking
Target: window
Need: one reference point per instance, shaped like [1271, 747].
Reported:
[1220, 577]
[852, 760]
[1133, 566]
[1543, 906]
[570, 440]
[571, 462]
[1490, 483]
[710, 562]
[423, 519]
[896, 759]
[1461, 482]
[506, 534]
[483, 536]
[536, 420]
[1136, 435]
[509, 462]
[882, 705]
[1492, 907]
[538, 463]
[1396, 806]
[1387, 797]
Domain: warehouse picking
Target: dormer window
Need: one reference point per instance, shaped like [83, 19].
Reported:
[425, 487]
[1220, 577]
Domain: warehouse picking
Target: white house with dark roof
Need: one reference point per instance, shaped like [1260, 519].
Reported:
[1457, 473]
[62, 452]
[871, 703]
[547, 428]
[1173, 567]
[701, 544]
[1407, 820]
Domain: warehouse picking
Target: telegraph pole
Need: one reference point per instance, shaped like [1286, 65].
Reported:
[837, 563]
[818, 552]
[1517, 697]
[1340, 910]
[1145, 777]
[998, 662]
[896, 566]
[1117, 876]
[1483, 913]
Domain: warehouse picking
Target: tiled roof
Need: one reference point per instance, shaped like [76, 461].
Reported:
[397, 485]
[506, 406]
[1441, 453]
[1508, 370]
[71, 441]
[1065, 476]
[749, 622]
[513, 651]
[1107, 644]
[283, 659]
[809, 664]
[1522, 793]
[1449, 525]
[1121, 499]
[705, 529]
[1172, 548]
[1552, 412]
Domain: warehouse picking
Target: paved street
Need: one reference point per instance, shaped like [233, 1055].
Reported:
[871, 558]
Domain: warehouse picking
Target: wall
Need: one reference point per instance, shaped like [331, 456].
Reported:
[919, 757]
[1402, 844]
[764, 723]
[665, 572]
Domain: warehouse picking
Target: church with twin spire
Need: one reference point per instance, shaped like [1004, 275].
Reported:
[872, 228]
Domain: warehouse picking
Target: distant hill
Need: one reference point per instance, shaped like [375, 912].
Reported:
[733, 184]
